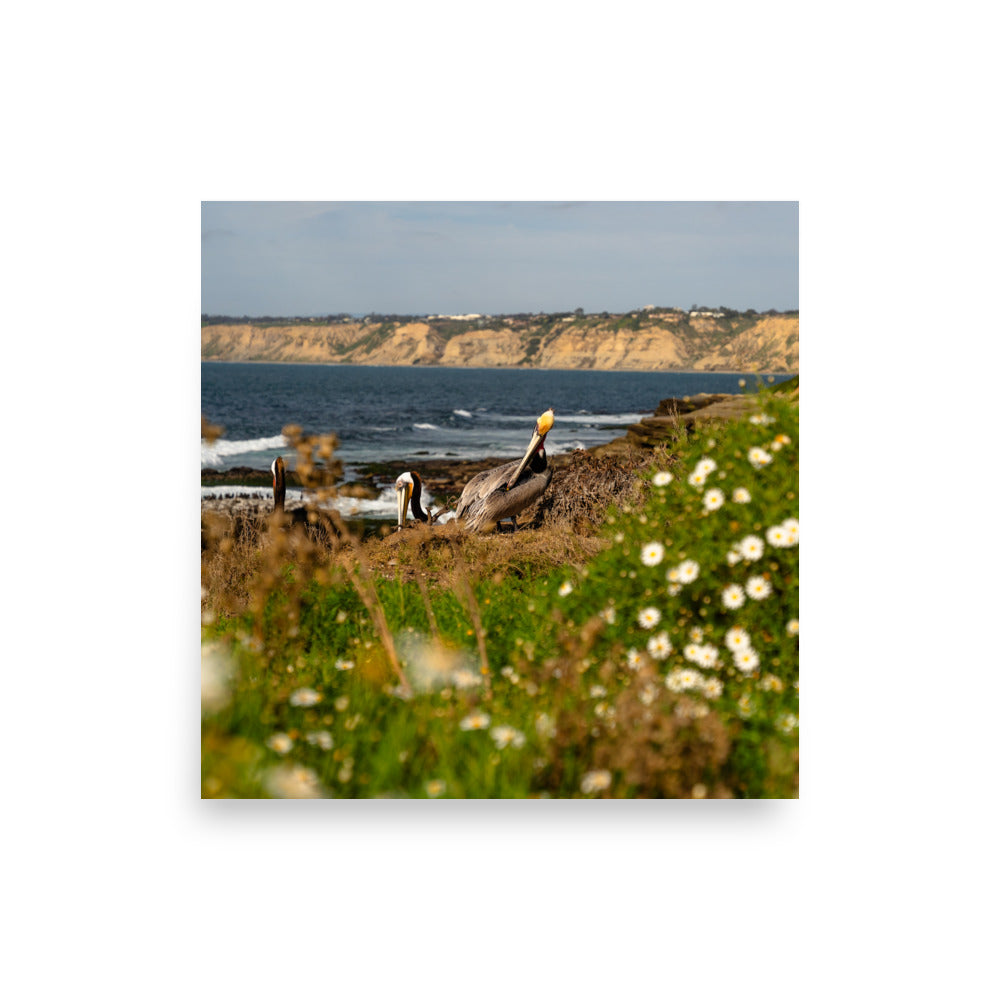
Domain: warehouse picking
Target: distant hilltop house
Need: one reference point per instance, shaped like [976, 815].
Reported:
[706, 312]
[464, 316]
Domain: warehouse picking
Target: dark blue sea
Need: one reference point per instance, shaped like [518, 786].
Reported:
[388, 413]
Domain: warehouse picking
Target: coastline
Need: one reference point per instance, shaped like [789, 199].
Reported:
[511, 368]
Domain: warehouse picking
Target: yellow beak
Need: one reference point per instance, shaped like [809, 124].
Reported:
[542, 427]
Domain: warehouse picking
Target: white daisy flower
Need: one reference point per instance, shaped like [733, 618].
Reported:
[761, 418]
[741, 495]
[791, 525]
[689, 679]
[647, 695]
[673, 575]
[598, 691]
[697, 478]
[778, 537]
[662, 478]
[737, 638]
[565, 588]
[673, 589]
[792, 628]
[733, 557]
[649, 618]
[758, 457]
[712, 687]
[344, 664]
[733, 597]
[706, 465]
[293, 781]
[464, 678]
[692, 652]
[595, 781]
[758, 588]
[751, 548]
[687, 572]
[697, 634]
[746, 660]
[713, 499]
[708, 656]
[280, 742]
[652, 554]
[634, 659]
[659, 646]
[673, 681]
[321, 739]
[788, 722]
[435, 787]
[745, 706]
[505, 736]
[608, 614]
[477, 720]
[304, 698]
[771, 683]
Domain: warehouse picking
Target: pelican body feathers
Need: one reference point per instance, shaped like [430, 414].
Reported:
[498, 494]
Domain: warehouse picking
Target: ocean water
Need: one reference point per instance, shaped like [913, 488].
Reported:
[390, 413]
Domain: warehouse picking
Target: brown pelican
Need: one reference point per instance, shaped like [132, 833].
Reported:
[298, 515]
[408, 492]
[318, 524]
[497, 494]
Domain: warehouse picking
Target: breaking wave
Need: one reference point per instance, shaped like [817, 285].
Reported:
[221, 452]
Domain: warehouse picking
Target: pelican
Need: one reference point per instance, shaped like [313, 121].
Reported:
[408, 492]
[497, 494]
[278, 482]
[318, 524]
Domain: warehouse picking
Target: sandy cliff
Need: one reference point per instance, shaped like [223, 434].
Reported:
[639, 342]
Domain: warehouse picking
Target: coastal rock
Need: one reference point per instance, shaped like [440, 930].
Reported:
[659, 428]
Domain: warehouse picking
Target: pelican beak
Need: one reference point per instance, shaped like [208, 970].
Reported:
[403, 491]
[542, 427]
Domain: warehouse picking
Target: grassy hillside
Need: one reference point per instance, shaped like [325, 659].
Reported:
[646, 647]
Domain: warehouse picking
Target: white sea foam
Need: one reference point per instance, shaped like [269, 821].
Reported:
[597, 419]
[426, 427]
[220, 452]
[462, 413]
[564, 447]
[251, 492]
[383, 506]
[600, 419]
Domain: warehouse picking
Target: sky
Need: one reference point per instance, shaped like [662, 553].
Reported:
[318, 258]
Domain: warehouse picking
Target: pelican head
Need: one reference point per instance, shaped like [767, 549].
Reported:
[407, 486]
[542, 427]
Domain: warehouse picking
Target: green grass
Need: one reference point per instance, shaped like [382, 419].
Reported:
[569, 671]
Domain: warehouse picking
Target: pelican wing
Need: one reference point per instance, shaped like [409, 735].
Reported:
[503, 503]
[481, 485]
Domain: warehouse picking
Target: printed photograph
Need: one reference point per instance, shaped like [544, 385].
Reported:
[500, 500]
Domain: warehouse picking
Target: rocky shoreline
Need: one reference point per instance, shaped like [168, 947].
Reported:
[446, 478]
